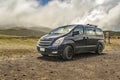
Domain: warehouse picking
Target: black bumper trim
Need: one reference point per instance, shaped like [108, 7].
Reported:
[50, 49]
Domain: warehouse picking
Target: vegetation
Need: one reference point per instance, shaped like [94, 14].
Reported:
[113, 34]
[22, 31]
[13, 46]
[20, 46]
[18, 41]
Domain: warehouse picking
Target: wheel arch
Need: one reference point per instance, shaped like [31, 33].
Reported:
[101, 42]
[70, 43]
[71, 46]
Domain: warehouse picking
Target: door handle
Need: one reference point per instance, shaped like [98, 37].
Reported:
[85, 38]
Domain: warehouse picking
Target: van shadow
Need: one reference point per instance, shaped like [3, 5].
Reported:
[76, 57]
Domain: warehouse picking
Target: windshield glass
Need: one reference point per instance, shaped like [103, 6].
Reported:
[63, 29]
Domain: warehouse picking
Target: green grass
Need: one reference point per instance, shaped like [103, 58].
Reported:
[10, 46]
[18, 37]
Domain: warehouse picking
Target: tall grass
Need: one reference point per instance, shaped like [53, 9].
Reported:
[13, 45]
[113, 46]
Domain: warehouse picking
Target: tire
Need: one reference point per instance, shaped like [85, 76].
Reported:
[99, 49]
[68, 53]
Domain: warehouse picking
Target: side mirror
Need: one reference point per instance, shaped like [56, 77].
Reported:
[75, 33]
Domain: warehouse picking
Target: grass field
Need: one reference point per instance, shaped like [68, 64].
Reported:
[13, 46]
[19, 46]
[113, 46]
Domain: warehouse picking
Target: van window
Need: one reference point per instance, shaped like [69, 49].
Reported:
[99, 31]
[80, 29]
[63, 29]
[90, 31]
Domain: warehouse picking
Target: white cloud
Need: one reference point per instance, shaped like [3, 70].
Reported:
[104, 13]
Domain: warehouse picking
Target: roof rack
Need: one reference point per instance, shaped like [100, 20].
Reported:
[92, 25]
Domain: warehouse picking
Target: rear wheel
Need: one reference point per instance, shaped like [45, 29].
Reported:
[99, 49]
[68, 53]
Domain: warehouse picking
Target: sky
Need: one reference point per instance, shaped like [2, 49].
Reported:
[54, 13]
[43, 2]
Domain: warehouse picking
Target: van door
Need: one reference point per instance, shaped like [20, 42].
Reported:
[79, 39]
[91, 41]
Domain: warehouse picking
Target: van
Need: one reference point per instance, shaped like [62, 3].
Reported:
[71, 39]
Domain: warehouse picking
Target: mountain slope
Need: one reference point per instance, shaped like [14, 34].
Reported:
[113, 33]
[22, 31]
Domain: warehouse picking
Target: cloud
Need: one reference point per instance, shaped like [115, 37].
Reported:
[105, 13]
[112, 19]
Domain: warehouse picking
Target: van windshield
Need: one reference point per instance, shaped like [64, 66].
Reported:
[62, 30]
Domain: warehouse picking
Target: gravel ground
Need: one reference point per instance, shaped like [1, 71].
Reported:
[85, 66]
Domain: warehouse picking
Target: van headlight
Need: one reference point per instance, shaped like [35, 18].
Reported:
[58, 41]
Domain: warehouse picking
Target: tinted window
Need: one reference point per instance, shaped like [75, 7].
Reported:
[90, 31]
[79, 28]
[99, 32]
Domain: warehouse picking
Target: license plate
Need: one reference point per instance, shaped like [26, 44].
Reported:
[42, 49]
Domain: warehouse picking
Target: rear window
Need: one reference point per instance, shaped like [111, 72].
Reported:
[99, 31]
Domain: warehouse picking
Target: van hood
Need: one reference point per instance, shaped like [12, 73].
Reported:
[52, 36]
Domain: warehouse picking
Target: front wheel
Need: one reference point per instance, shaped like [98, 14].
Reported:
[99, 49]
[68, 53]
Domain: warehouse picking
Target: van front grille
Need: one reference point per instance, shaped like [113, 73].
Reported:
[45, 42]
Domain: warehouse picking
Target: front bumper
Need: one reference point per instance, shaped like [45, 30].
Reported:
[50, 50]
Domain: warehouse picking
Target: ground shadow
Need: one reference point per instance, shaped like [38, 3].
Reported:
[76, 57]
[86, 55]
[51, 58]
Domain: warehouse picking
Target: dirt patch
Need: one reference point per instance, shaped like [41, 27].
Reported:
[86, 66]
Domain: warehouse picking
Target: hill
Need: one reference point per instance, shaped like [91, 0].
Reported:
[113, 33]
[24, 31]
[35, 31]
